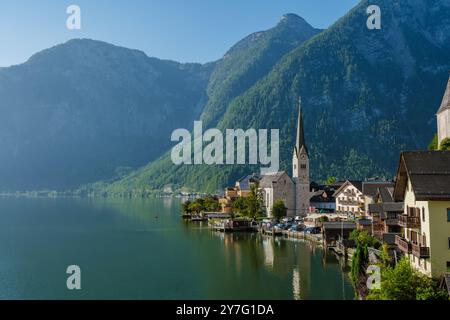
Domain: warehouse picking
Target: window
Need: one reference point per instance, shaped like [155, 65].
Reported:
[448, 215]
[423, 214]
[448, 266]
[449, 242]
[303, 166]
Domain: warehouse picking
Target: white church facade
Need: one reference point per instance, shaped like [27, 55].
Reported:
[293, 191]
[443, 116]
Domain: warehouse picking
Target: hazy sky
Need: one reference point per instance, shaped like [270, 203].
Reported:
[182, 30]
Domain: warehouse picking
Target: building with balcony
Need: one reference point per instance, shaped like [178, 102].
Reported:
[423, 184]
[350, 199]
[371, 188]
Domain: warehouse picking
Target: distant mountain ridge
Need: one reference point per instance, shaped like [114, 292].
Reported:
[367, 95]
[87, 110]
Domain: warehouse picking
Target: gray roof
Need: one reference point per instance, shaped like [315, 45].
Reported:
[446, 100]
[370, 188]
[386, 194]
[300, 144]
[268, 179]
[245, 182]
[429, 173]
[339, 225]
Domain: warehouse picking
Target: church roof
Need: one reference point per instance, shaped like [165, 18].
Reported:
[268, 179]
[446, 100]
[300, 142]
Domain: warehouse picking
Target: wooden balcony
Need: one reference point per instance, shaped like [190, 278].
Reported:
[409, 222]
[392, 222]
[420, 252]
[403, 244]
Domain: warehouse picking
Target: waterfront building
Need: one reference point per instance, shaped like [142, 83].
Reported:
[443, 116]
[300, 169]
[423, 184]
[295, 191]
[350, 199]
[322, 201]
[278, 186]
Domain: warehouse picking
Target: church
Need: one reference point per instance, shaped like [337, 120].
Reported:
[443, 116]
[293, 191]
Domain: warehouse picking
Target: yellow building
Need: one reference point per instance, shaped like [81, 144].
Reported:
[423, 184]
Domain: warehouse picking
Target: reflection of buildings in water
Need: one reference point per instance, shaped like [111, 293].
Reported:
[303, 266]
[268, 251]
[167, 203]
[296, 286]
[232, 249]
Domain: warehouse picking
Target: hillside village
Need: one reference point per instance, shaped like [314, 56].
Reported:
[410, 215]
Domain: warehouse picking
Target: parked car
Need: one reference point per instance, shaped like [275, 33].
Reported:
[298, 219]
[312, 230]
[297, 228]
[287, 220]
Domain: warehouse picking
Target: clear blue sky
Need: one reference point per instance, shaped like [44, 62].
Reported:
[182, 30]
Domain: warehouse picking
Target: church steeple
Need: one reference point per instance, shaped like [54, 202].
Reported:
[443, 116]
[300, 142]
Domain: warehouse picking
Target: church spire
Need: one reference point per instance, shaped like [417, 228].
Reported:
[300, 143]
[446, 100]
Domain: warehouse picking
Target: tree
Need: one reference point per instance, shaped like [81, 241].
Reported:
[196, 207]
[254, 202]
[402, 282]
[239, 205]
[434, 143]
[186, 207]
[279, 210]
[323, 219]
[445, 145]
[331, 180]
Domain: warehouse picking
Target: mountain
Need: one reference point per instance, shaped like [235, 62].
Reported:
[250, 60]
[367, 95]
[87, 110]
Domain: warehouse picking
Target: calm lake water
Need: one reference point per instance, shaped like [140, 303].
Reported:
[141, 249]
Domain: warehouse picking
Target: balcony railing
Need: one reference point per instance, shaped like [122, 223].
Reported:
[409, 222]
[392, 222]
[403, 244]
[420, 252]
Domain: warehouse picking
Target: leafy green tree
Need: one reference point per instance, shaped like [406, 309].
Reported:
[186, 207]
[434, 143]
[196, 207]
[279, 210]
[402, 282]
[323, 219]
[211, 204]
[254, 203]
[445, 145]
[239, 205]
[330, 180]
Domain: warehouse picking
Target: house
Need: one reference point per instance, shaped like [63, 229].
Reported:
[322, 200]
[242, 188]
[337, 231]
[423, 184]
[443, 116]
[244, 185]
[278, 186]
[370, 189]
[384, 214]
[350, 199]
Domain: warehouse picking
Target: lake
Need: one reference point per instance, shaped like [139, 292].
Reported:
[142, 249]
